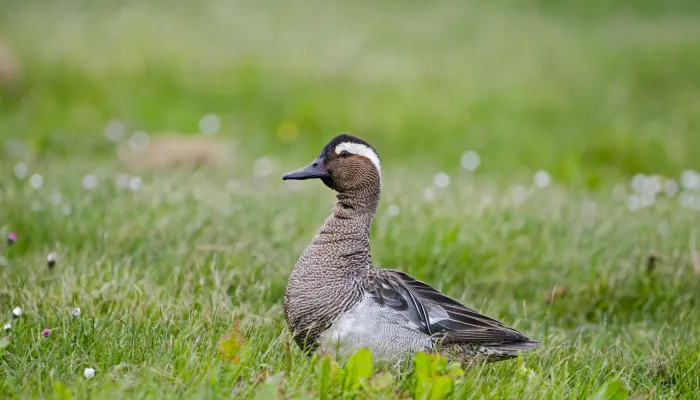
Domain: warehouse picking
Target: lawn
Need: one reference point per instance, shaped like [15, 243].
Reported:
[173, 268]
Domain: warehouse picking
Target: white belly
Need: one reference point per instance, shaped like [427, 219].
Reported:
[384, 331]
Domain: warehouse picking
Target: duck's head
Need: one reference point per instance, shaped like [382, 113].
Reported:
[346, 163]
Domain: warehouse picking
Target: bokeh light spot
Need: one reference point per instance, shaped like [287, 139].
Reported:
[690, 179]
[470, 160]
[89, 182]
[542, 179]
[115, 131]
[209, 124]
[441, 180]
[21, 171]
[37, 181]
[287, 131]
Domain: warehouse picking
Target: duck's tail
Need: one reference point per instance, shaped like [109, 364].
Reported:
[471, 352]
[510, 349]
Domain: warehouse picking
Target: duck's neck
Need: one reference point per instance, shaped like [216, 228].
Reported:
[344, 238]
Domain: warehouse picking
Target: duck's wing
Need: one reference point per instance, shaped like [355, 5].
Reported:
[435, 314]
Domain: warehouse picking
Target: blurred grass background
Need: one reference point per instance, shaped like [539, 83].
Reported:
[162, 260]
[588, 90]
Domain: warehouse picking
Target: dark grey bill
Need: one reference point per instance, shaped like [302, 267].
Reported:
[316, 169]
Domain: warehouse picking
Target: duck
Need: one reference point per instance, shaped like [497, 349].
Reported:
[337, 302]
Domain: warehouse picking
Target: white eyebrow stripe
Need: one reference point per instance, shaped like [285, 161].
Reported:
[360, 150]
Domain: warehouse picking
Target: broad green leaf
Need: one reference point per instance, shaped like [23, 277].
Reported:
[422, 363]
[441, 388]
[358, 367]
[232, 345]
[610, 390]
[422, 387]
[433, 379]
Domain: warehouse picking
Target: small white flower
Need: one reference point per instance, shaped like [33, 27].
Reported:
[51, 260]
[66, 209]
[89, 373]
[690, 179]
[670, 187]
[114, 131]
[441, 180]
[7, 327]
[542, 179]
[89, 182]
[209, 124]
[75, 312]
[470, 160]
[17, 312]
[139, 140]
[634, 202]
[393, 210]
[135, 183]
[654, 185]
[21, 170]
[639, 183]
[37, 181]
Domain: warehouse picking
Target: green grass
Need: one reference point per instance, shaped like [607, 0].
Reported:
[592, 92]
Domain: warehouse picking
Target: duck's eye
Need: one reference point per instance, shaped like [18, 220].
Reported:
[344, 153]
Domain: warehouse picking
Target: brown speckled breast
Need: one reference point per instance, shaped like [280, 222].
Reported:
[325, 281]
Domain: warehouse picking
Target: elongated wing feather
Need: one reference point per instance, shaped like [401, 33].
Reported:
[433, 313]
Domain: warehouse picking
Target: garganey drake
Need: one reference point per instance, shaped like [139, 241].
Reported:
[337, 302]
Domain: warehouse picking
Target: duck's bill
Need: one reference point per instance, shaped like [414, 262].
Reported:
[316, 169]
